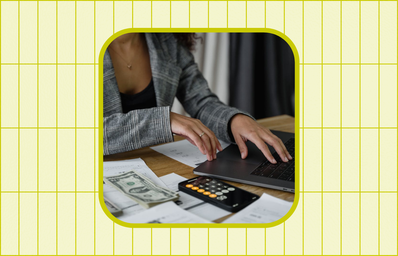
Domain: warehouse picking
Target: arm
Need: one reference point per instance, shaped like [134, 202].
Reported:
[197, 99]
[201, 103]
[136, 129]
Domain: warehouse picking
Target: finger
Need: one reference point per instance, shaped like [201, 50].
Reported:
[210, 152]
[277, 144]
[219, 146]
[241, 145]
[206, 141]
[196, 139]
[215, 144]
[286, 152]
[259, 142]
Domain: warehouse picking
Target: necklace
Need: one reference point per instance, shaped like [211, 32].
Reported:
[128, 63]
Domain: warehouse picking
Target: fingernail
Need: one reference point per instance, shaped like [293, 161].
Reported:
[215, 156]
[274, 161]
[241, 155]
[286, 159]
[290, 157]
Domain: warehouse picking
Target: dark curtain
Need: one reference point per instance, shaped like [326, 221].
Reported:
[261, 74]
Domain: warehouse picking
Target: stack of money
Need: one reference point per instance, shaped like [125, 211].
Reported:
[141, 189]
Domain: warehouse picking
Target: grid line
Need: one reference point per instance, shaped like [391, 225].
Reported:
[96, 64]
[302, 116]
[341, 130]
[360, 125]
[95, 109]
[378, 124]
[37, 130]
[75, 127]
[19, 132]
[322, 128]
[56, 130]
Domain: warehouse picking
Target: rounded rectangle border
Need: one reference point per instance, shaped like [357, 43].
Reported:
[296, 127]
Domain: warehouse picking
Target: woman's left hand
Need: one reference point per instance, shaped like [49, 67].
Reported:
[244, 128]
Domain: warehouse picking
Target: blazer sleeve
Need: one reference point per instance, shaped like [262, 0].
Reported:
[197, 99]
[136, 129]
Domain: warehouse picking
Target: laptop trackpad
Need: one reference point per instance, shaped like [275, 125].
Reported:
[229, 161]
[232, 153]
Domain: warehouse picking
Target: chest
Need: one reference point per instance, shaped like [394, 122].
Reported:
[133, 73]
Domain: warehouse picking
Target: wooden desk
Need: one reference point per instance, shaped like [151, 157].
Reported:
[162, 165]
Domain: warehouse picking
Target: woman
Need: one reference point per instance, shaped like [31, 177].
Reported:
[142, 75]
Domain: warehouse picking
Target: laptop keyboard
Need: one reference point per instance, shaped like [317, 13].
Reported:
[280, 170]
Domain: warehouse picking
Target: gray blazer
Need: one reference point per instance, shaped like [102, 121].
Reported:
[174, 73]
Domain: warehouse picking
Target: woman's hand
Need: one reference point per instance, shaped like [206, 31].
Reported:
[197, 133]
[244, 128]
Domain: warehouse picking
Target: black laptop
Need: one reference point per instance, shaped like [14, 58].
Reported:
[255, 169]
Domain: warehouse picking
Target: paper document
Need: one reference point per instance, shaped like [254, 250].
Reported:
[265, 210]
[190, 203]
[128, 206]
[183, 151]
[165, 213]
[112, 168]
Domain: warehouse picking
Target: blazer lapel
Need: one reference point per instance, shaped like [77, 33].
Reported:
[111, 99]
[165, 74]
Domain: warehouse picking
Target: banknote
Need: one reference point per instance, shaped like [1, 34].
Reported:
[141, 189]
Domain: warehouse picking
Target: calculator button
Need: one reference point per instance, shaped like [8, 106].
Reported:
[194, 188]
[213, 190]
[218, 193]
[225, 186]
[231, 189]
[219, 184]
[206, 193]
[212, 186]
[208, 179]
[212, 195]
[219, 188]
[201, 186]
[206, 188]
[201, 190]
[213, 182]
[224, 191]
[207, 184]
[189, 185]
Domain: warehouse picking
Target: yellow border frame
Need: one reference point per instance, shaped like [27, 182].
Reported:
[296, 128]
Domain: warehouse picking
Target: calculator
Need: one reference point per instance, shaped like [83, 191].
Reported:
[218, 193]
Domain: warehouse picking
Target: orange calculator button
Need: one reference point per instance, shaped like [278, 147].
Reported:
[189, 185]
[206, 193]
[194, 188]
[213, 195]
[201, 190]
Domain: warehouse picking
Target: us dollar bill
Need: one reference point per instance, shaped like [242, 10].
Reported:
[141, 189]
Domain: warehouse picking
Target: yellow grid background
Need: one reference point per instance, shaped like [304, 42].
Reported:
[348, 127]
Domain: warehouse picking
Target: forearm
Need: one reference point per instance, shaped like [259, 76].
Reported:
[136, 129]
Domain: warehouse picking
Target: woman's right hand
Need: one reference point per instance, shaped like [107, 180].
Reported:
[197, 133]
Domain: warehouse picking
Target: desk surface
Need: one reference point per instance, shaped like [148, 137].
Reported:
[162, 165]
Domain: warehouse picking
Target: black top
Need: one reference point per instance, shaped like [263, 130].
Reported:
[141, 100]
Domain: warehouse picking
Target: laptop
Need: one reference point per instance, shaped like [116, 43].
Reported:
[255, 169]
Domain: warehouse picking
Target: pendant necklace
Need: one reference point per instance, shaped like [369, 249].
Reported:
[128, 64]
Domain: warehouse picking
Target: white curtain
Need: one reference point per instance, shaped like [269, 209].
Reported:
[212, 56]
